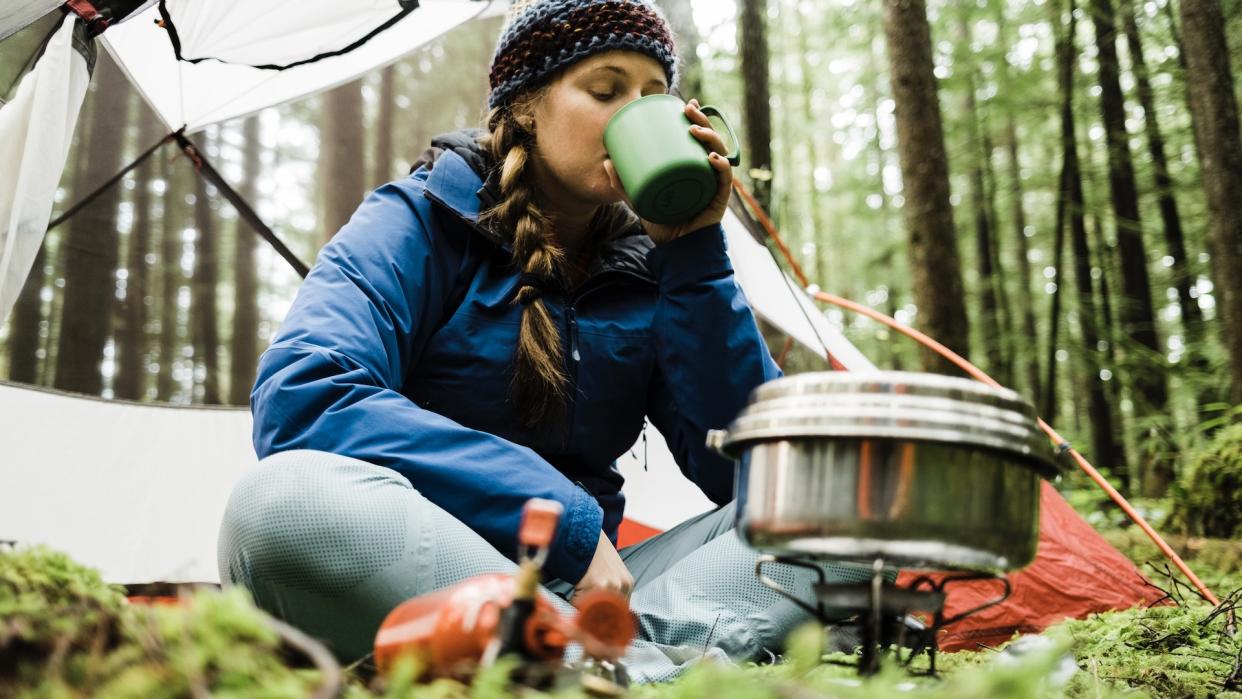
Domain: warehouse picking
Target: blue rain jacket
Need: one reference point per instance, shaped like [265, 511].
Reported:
[397, 351]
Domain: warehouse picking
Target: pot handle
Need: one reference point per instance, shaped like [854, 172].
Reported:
[716, 441]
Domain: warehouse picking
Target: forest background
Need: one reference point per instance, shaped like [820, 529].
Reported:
[1053, 189]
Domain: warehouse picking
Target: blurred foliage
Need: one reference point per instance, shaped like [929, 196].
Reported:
[1208, 500]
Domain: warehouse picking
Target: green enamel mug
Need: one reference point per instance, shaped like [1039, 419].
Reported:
[664, 169]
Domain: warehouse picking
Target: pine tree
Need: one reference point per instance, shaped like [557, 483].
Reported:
[1214, 111]
[935, 268]
[753, 47]
[342, 174]
[131, 337]
[91, 244]
[244, 348]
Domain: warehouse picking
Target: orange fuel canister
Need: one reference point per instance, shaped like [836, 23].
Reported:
[449, 630]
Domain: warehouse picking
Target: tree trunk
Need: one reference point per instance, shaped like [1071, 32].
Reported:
[1183, 277]
[1065, 78]
[91, 244]
[1214, 112]
[341, 166]
[205, 329]
[172, 279]
[131, 341]
[1180, 48]
[934, 266]
[24, 331]
[383, 170]
[1107, 332]
[681, 16]
[1003, 315]
[819, 231]
[1138, 320]
[1105, 450]
[245, 342]
[1025, 357]
[753, 47]
[1049, 411]
[989, 321]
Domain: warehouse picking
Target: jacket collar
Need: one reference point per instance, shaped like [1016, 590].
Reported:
[455, 186]
[454, 183]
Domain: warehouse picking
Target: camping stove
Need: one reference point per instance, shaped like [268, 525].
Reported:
[877, 615]
[914, 471]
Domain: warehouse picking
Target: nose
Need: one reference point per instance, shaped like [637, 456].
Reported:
[633, 94]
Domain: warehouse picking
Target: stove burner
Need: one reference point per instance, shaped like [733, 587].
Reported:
[882, 612]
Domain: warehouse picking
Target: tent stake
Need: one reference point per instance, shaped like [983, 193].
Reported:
[978, 374]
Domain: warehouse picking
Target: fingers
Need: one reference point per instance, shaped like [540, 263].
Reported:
[621, 586]
[702, 128]
[710, 138]
[696, 115]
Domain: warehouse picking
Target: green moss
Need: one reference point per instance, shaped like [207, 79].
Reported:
[67, 634]
[1209, 502]
[1167, 651]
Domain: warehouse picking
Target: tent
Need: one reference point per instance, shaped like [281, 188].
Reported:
[198, 62]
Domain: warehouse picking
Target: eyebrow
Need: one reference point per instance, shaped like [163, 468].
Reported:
[623, 72]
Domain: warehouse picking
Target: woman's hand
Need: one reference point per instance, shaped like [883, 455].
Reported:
[714, 213]
[606, 572]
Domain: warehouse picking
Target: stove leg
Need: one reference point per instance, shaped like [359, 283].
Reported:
[873, 628]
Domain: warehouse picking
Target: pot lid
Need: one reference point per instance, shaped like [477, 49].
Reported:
[891, 405]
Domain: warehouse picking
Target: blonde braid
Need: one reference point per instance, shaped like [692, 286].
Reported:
[539, 387]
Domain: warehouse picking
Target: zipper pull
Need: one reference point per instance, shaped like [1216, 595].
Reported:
[573, 335]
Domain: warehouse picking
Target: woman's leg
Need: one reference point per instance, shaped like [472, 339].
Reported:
[332, 544]
[695, 586]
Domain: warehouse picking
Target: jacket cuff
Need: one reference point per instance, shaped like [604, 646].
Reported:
[578, 537]
[694, 257]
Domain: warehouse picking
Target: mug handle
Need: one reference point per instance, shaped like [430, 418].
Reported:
[734, 158]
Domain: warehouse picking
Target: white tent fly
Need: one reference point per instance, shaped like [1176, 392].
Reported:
[137, 490]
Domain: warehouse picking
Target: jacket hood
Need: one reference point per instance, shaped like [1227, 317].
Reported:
[624, 244]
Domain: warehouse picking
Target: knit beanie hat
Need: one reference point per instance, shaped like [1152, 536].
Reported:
[544, 36]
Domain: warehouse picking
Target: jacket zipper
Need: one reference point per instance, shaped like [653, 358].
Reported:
[575, 358]
[571, 321]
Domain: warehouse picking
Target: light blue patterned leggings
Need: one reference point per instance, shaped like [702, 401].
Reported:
[332, 544]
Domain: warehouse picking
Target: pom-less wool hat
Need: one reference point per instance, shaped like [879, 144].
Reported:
[544, 36]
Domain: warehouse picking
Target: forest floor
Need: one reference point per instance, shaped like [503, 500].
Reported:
[64, 633]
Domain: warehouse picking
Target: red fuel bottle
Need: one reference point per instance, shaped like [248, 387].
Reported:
[454, 631]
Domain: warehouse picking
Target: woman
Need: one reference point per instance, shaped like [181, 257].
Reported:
[496, 327]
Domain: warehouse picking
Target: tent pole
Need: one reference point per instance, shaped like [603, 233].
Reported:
[975, 372]
[106, 185]
[243, 207]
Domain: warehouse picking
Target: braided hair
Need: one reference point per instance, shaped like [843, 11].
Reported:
[539, 387]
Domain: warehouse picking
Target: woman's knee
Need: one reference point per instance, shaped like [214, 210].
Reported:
[315, 521]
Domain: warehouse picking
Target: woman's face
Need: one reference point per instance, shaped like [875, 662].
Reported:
[570, 121]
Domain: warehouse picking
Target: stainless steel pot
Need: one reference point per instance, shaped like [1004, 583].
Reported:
[921, 470]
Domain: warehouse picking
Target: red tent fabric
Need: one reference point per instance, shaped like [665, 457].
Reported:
[1076, 572]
